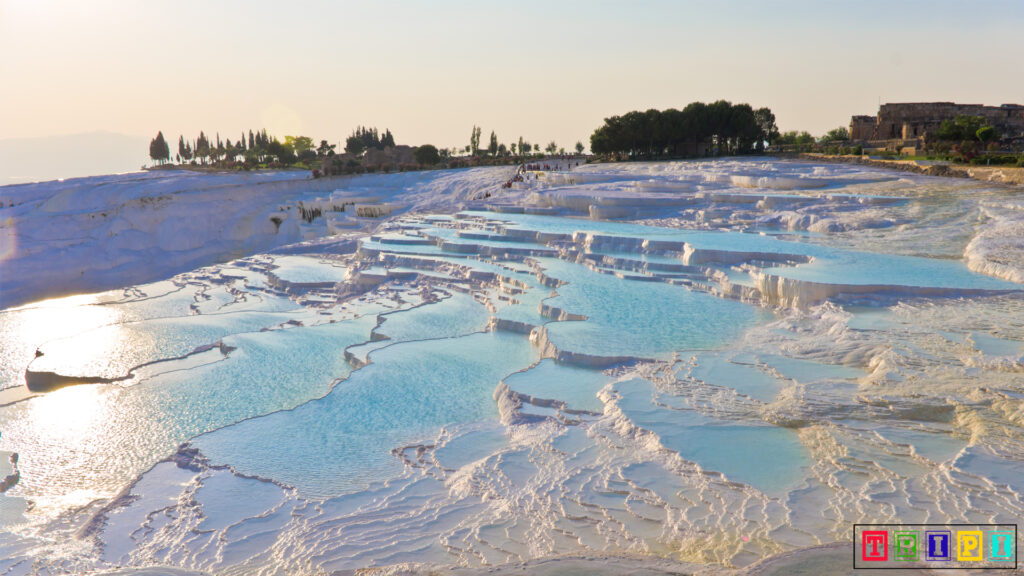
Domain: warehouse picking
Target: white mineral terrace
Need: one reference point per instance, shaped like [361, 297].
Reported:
[650, 368]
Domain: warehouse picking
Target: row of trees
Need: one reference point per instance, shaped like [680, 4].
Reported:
[258, 148]
[518, 148]
[363, 139]
[262, 148]
[720, 128]
[804, 138]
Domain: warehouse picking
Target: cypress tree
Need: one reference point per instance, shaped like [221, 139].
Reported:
[159, 151]
[202, 146]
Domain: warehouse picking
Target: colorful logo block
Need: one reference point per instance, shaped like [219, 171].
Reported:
[969, 545]
[938, 545]
[1001, 546]
[906, 545]
[875, 546]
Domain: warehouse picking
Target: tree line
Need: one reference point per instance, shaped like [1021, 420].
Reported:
[363, 139]
[716, 128]
[257, 148]
[495, 149]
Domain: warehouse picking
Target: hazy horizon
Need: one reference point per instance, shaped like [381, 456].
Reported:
[429, 72]
[24, 160]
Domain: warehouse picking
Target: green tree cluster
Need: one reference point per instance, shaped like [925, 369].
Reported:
[841, 134]
[492, 146]
[158, 149]
[325, 149]
[965, 127]
[427, 155]
[524, 147]
[765, 119]
[300, 146]
[257, 148]
[474, 141]
[184, 150]
[793, 137]
[282, 153]
[986, 133]
[362, 139]
[206, 151]
[721, 126]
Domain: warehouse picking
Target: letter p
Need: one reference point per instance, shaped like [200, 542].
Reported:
[968, 546]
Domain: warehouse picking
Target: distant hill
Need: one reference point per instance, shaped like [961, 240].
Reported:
[53, 157]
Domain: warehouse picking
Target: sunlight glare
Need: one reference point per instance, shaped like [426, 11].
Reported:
[70, 412]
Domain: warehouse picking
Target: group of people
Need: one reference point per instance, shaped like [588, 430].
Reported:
[523, 170]
[548, 167]
[520, 176]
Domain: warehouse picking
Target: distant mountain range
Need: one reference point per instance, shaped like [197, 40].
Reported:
[68, 156]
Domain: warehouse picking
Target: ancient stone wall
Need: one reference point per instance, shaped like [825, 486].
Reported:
[862, 127]
[914, 120]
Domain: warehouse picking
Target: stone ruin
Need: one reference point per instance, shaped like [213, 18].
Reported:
[914, 124]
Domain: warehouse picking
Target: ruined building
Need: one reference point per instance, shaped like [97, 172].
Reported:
[914, 122]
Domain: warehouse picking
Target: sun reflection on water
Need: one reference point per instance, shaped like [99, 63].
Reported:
[24, 329]
[70, 412]
[64, 438]
[68, 315]
[60, 435]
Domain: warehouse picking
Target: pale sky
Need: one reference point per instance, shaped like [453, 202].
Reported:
[431, 69]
